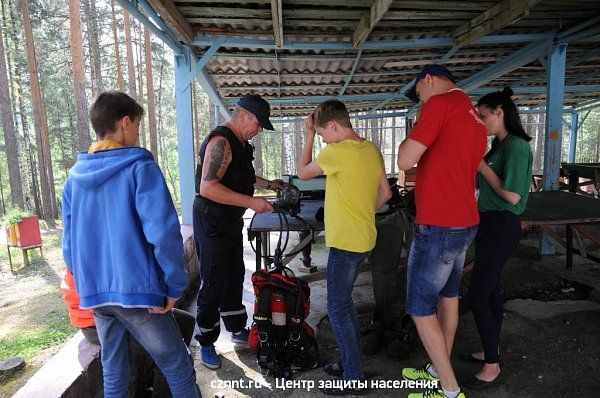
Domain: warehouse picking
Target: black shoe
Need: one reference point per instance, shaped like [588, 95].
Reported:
[474, 383]
[373, 340]
[334, 369]
[468, 357]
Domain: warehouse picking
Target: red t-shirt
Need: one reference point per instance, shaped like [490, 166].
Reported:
[455, 138]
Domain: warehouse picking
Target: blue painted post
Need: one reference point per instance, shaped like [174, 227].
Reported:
[573, 136]
[554, 120]
[185, 133]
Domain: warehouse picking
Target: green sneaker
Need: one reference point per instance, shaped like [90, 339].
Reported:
[421, 373]
[433, 393]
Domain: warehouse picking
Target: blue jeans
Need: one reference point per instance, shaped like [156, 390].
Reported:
[342, 270]
[160, 337]
[435, 264]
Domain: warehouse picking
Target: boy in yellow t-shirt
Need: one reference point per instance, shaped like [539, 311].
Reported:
[356, 187]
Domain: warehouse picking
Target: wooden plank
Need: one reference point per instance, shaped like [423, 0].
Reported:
[502, 14]
[368, 21]
[225, 12]
[396, 64]
[231, 21]
[174, 20]
[277, 17]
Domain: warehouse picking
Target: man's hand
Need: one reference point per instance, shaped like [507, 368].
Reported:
[309, 125]
[168, 307]
[277, 184]
[260, 205]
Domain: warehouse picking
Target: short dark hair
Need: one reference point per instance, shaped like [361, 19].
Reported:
[331, 110]
[109, 107]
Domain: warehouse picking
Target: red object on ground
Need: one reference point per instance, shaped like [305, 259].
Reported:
[29, 232]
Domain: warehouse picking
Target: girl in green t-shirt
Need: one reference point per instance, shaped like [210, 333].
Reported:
[503, 180]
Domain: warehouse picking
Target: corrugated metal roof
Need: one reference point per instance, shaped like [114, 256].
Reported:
[295, 74]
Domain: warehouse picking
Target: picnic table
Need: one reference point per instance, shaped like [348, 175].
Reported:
[579, 214]
[574, 211]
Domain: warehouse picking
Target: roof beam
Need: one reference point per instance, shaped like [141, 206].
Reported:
[174, 20]
[369, 20]
[351, 75]
[494, 19]
[525, 55]
[161, 32]
[201, 63]
[338, 45]
[277, 16]
[391, 96]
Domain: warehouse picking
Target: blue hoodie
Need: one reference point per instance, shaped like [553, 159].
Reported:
[121, 238]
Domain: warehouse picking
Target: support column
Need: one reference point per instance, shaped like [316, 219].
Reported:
[185, 133]
[554, 121]
[573, 136]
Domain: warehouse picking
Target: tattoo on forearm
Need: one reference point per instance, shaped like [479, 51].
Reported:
[217, 159]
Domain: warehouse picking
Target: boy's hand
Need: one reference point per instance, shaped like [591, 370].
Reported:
[309, 125]
[168, 307]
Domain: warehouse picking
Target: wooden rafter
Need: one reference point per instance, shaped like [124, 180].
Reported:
[277, 16]
[369, 20]
[497, 17]
[174, 20]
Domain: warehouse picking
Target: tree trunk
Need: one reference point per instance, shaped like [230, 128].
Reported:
[375, 132]
[79, 74]
[130, 61]
[196, 116]
[95, 50]
[298, 134]
[18, 97]
[89, 8]
[10, 136]
[117, 52]
[150, 91]
[212, 123]
[141, 91]
[41, 132]
[258, 162]
[539, 142]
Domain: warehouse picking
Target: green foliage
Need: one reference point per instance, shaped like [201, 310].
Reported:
[27, 345]
[14, 215]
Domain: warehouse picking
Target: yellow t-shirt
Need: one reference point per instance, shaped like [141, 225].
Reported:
[353, 170]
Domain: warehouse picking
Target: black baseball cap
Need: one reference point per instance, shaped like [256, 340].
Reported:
[257, 106]
[433, 70]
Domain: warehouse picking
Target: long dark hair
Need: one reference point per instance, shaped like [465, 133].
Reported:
[512, 121]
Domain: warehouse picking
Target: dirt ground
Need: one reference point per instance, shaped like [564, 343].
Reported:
[554, 357]
[31, 303]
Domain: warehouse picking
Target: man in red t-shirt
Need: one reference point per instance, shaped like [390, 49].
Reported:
[448, 143]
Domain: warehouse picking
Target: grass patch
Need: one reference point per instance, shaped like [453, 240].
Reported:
[30, 343]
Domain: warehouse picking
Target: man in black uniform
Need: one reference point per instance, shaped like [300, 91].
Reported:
[225, 182]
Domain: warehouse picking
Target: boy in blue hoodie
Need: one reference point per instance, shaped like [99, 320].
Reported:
[122, 241]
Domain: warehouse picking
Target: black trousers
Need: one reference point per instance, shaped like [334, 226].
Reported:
[220, 250]
[497, 237]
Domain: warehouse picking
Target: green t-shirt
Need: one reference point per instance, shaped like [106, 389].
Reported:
[511, 160]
